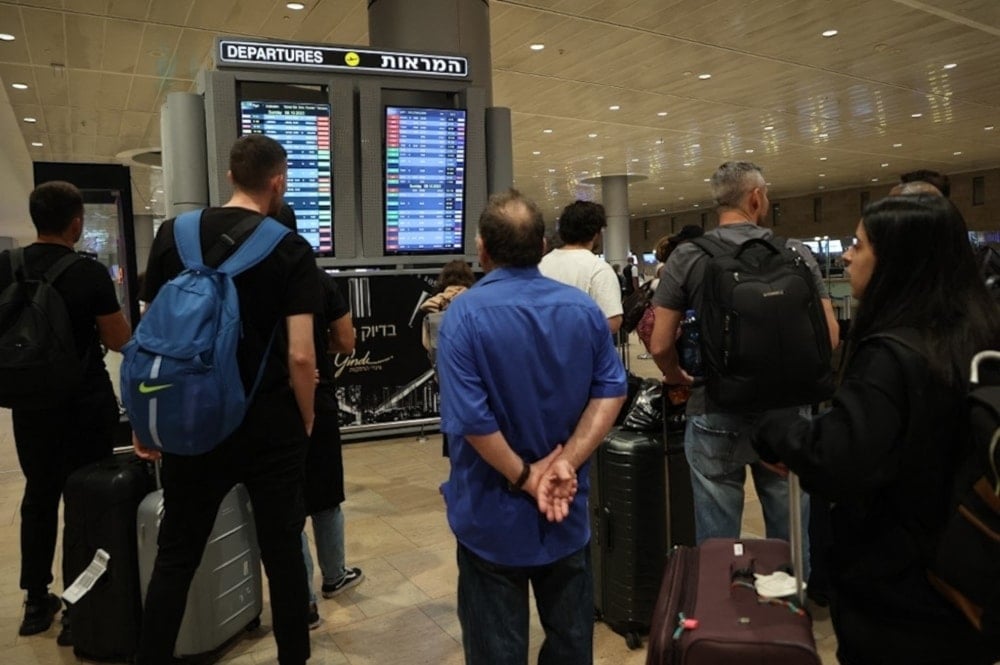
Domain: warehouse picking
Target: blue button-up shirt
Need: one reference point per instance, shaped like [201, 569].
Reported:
[521, 354]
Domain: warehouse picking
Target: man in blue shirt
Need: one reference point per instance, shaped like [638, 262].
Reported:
[530, 386]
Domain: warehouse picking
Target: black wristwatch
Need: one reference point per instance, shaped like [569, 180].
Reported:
[521, 480]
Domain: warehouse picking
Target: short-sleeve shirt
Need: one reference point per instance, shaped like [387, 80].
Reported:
[520, 354]
[681, 279]
[284, 284]
[88, 292]
[586, 271]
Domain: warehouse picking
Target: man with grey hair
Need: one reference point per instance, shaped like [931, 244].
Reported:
[717, 442]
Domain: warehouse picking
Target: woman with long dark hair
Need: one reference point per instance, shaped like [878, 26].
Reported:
[887, 449]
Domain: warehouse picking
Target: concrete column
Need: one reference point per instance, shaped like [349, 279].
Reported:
[461, 27]
[142, 226]
[614, 198]
[185, 153]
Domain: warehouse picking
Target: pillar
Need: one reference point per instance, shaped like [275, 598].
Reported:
[185, 153]
[461, 27]
[614, 198]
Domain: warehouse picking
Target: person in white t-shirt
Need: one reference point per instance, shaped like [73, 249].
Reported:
[576, 264]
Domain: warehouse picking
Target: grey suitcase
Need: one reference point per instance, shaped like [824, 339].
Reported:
[226, 596]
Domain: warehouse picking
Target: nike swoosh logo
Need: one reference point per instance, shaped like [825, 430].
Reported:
[145, 390]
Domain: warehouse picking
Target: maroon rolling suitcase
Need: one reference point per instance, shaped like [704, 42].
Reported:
[708, 612]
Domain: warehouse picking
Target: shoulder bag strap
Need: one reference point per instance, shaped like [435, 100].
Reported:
[258, 246]
[57, 269]
[233, 237]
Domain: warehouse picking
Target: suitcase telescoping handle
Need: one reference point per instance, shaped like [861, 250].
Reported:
[796, 536]
[126, 450]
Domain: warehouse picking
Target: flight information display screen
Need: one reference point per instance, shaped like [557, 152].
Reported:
[303, 129]
[424, 180]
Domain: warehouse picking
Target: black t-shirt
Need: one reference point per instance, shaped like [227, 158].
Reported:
[85, 287]
[334, 307]
[282, 285]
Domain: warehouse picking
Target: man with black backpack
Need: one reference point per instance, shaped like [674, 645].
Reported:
[277, 298]
[56, 309]
[766, 328]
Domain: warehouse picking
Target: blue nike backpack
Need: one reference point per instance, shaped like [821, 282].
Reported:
[180, 380]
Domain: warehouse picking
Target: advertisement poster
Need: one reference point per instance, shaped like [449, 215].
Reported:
[388, 379]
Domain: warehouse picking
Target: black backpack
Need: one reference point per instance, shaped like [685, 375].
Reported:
[764, 338]
[635, 304]
[38, 359]
[963, 561]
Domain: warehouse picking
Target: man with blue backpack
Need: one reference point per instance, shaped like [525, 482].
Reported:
[219, 382]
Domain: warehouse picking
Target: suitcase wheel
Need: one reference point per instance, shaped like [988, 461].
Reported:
[253, 625]
[632, 640]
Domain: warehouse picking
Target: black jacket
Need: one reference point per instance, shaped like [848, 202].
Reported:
[884, 454]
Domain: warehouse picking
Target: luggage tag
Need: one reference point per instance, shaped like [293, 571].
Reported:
[88, 578]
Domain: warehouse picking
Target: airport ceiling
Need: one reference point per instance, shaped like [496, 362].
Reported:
[668, 89]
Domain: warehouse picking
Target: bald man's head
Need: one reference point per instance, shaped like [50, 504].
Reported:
[512, 230]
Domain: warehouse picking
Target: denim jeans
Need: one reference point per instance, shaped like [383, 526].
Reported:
[493, 610]
[328, 532]
[718, 450]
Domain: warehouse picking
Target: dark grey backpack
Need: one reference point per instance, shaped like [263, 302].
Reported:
[38, 357]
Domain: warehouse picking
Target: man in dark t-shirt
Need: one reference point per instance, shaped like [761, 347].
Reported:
[54, 439]
[277, 299]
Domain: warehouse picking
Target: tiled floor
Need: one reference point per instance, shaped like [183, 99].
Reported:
[404, 611]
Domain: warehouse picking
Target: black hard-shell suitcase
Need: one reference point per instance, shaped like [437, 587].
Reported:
[628, 530]
[101, 504]
[680, 499]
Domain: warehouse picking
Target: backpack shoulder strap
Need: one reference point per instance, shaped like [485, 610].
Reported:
[234, 236]
[57, 269]
[712, 246]
[187, 238]
[256, 248]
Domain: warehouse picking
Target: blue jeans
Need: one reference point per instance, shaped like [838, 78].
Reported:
[493, 610]
[328, 531]
[718, 450]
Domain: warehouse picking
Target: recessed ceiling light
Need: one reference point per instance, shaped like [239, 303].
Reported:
[680, 198]
[662, 114]
[704, 77]
[645, 204]
[687, 163]
[658, 141]
[585, 172]
[695, 145]
[152, 200]
[295, 6]
[593, 136]
[707, 180]
[37, 144]
[600, 156]
[897, 145]
[552, 170]
[6, 37]
[989, 128]
[823, 159]
[748, 151]
[885, 164]
[822, 175]
[635, 159]
[829, 33]
[916, 115]
[874, 179]
[662, 188]
[19, 86]
[614, 107]
[30, 119]
[768, 128]
[536, 152]
[696, 205]
[957, 153]
[823, 135]
[951, 65]
[822, 186]
[546, 131]
[537, 47]
[663, 209]
[149, 207]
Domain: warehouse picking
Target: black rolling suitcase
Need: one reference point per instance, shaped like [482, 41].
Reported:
[680, 499]
[628, 530]
[101, 504]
